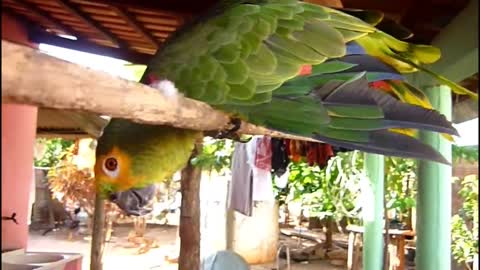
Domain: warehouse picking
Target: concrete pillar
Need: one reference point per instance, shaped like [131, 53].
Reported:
[18, 137]
[459, 45]
[434, 199]
[373, 212]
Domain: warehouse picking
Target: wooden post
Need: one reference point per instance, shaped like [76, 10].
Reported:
[351, 247]
[373, 212]
[329, 233]
[189, 258]
[98, 235]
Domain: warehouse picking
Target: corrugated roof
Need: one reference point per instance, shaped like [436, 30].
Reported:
[133, 30]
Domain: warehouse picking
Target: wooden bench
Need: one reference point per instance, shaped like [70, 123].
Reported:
[396, 238]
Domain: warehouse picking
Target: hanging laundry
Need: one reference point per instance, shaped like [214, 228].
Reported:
[263, 153]
[260, 159]
[313, 152]
[325, 152]
[280, 158]
[282, 181]
[240, 198]
[294, 150]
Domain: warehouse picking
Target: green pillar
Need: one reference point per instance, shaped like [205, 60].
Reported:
[459, 45]
[434, 200]
[373, 213]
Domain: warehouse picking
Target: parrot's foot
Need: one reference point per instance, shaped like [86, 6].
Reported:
[232, 132]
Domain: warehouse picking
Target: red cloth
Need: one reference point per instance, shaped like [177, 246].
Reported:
[263, 154]
[312, 153]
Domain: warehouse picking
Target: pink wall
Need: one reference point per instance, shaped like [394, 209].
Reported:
[18, 136]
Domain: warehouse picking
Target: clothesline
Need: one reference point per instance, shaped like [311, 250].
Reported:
[254, 163]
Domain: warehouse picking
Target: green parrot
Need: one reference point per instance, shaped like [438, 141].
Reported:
[333, 75]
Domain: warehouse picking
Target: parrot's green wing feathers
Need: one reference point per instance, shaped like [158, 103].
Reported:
[245, 58]
[251, 49]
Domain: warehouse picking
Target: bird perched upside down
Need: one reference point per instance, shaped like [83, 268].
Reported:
[299, 68]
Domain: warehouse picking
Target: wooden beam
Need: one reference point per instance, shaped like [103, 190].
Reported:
[45, 16]
[88, 46]
[42, 80]
[87, 20]
[135, 25]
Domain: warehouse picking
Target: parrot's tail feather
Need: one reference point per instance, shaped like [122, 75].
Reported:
[396, 114]
[351, 114]
[391, 144]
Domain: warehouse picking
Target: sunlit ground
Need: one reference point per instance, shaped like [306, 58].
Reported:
[118, 254]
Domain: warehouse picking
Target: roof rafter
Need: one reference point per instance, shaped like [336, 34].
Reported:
[90, 47]
[135, 25]
[174, 6]
[87, 20]
[45, 16]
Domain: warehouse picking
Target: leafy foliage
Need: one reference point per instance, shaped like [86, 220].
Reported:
[465, 223]
[216, 155]
[328, 192]
[400, 176]
[335, 190]
[467, 153]
[55, 149]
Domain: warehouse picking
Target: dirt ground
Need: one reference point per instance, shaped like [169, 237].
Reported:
[119, 253]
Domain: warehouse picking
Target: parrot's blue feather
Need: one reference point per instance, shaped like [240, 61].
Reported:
[354, 48]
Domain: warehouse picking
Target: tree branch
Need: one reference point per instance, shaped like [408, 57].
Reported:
[31, 77]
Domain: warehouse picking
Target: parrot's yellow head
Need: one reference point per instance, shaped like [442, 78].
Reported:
[132, 157]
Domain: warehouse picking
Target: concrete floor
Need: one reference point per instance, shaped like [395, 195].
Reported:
[119, 254]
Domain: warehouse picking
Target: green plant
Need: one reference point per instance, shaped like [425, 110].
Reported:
[465, 223]
[216, 155]
[334, 190]
[467, 153]
[55, 150]
[400, 176]
[328, 192]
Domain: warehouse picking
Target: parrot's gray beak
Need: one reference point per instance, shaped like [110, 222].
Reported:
[134, 202]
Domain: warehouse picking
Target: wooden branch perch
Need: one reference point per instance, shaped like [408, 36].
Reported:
[31, 77]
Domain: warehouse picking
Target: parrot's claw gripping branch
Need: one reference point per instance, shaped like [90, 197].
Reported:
[232, 133]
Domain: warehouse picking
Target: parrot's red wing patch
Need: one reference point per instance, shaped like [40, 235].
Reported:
[305, 70]
[152, 79]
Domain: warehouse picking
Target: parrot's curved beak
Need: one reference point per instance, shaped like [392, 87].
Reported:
[134, 202]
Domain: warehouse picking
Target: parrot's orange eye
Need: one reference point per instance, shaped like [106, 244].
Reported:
[111, 164]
